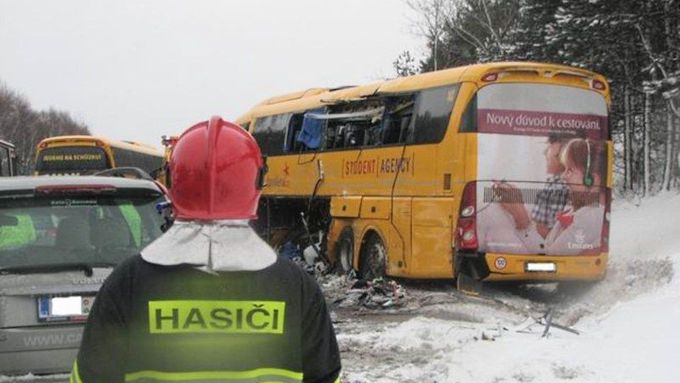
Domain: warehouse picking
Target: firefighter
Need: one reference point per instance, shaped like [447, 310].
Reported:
[209, 300]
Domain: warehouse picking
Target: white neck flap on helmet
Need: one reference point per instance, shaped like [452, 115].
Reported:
[226, 245]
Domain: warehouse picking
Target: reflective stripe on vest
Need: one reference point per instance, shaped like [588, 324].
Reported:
[259, 375]
[75, 375]
[252, 376]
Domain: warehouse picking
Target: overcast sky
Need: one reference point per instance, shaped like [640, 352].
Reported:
[136, 70]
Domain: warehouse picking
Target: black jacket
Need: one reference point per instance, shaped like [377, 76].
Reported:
[152, 323]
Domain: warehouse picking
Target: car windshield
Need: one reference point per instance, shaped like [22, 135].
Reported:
[54, 231]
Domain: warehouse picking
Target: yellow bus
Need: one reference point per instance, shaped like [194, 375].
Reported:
[8, 166]
[168, 143]
[471, 171]
[81, 155]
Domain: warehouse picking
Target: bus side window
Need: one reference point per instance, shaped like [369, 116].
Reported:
[354, 136]
[309, 132]
[433, 112]
[279, 126]
[294, 128]
[270, 133]
[398, 116]
[355, 124]
[261, 133]
[121, 157]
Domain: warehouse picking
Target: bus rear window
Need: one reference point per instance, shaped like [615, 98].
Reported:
[71, 160]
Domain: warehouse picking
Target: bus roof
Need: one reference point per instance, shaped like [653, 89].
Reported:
[305, 100]
[294, 96]
[129, 145]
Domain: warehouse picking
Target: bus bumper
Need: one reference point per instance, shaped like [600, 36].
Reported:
[541, 268]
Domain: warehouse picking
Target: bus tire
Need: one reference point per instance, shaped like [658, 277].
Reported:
[373, 258]
[344, 251]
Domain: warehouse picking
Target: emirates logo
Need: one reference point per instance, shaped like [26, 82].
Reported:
[580, 241]
[580, 237]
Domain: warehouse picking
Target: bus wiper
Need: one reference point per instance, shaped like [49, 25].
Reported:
[87, 267]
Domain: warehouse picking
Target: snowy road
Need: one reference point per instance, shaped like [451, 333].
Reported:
[626, 323]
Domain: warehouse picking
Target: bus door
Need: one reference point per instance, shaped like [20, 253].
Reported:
[423, 184]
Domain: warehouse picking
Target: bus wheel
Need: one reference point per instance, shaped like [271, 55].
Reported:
[344, 252]
[373, 258]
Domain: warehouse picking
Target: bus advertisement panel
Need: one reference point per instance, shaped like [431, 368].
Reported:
[542, 176]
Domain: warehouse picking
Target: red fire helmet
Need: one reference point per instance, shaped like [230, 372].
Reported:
[216, 172]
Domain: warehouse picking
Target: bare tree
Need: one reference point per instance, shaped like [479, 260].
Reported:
[487, 25]
[24, 127]
[431, 21]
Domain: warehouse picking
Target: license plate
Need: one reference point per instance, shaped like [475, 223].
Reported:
[548, 267]
[73, 308]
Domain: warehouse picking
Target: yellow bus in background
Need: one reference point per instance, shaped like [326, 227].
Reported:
[444, 174]
[81, 155]
[168, 143]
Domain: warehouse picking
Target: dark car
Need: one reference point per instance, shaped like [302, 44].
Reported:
[60, 237]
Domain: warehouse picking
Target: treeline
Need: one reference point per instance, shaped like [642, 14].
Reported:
[25, 127]
[634, 43]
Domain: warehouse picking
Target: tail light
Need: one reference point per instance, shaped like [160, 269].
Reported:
[599, 85]
[466, 232]
[489, 77]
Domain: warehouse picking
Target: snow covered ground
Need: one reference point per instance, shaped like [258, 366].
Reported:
[628, 323]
